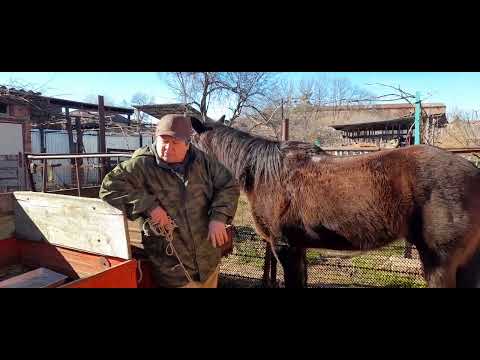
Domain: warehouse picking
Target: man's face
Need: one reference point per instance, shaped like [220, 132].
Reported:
[171, 149]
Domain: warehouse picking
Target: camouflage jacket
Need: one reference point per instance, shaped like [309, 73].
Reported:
[206, 192]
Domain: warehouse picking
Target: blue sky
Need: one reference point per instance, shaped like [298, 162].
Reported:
[455, 89]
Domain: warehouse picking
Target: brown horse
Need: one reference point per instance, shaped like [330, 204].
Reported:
[300, 197]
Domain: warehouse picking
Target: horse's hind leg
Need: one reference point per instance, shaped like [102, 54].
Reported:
[468, 275]
[440, 276]
[293, 261]
[438, 271]
[455, 265]
[438, 268]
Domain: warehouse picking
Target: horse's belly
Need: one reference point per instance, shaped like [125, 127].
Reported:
[321, 237]
[357, 239]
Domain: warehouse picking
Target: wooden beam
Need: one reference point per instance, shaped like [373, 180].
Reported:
[87, 106]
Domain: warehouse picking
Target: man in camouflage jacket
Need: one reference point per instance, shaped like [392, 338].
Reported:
[172, 178]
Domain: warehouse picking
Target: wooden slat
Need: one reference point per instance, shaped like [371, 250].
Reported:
[9, 158]
[7, 226]
[6, 203]
[8, 173]
[7, 221]
[39, 278]
[9, 165]
[89, 225]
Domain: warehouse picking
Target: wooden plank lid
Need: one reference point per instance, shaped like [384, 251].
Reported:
[84, 224]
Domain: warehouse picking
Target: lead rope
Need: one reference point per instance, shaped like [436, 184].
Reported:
[273, 251]
[166, 231]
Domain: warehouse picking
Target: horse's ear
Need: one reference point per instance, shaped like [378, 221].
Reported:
[197, 125]
[223, 121]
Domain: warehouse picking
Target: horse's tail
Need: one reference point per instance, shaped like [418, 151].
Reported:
[468, 274]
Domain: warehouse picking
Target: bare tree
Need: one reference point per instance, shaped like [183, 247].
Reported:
[140, 99]
[463, 129]
[304, 102]
[307, 103]
[195, 88]
[267, 113]
[245, 90]
[238, 90]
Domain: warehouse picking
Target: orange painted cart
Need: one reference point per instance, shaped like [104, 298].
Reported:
[50, 240]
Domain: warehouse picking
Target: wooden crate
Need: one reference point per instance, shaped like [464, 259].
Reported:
[84, 239]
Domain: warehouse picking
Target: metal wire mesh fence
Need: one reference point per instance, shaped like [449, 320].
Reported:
[396, 265]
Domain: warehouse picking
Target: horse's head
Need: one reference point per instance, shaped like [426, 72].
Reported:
[202, 139]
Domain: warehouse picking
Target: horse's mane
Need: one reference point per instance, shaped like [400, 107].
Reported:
[251, 159]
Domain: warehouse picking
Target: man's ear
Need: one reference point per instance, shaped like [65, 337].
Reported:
[198, 125]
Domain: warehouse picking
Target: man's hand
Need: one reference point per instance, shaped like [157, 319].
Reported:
[159, 216]
[217, 233]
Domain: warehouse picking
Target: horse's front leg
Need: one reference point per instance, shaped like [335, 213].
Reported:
[294, 262]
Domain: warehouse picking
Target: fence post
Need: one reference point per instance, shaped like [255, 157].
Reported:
[418, 111]
[78, 128]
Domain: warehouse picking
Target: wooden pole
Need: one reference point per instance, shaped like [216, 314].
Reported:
[44, 176]
[101, 136]
[71, 146]
[79, 149]
[79, 186]
[29, 172]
